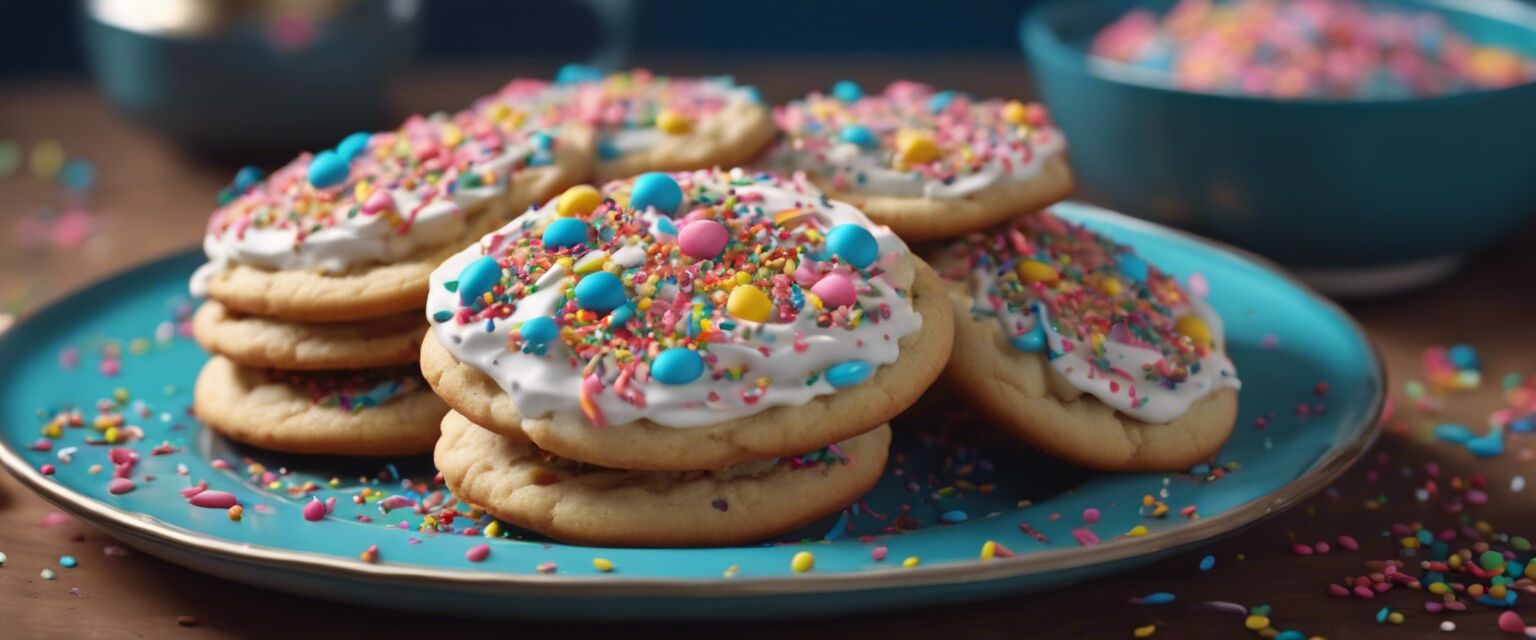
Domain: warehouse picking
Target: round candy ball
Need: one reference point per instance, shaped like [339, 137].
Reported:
[835, 290]
[477, 279]
[1194, 328]
[657, 190]
[916, 148]
[677, 366]
[352, 145]
[328, 169]
[1031, 271]
[1032, 341]
[565, 232]
[749, 303]
[539, 330]
[1133, 267]
[941, 101]
[703, 239]
[847, 91]
[849, 373]
[601, 292]
[579, 200]
[853, 244]
[859, 135]
[247, 177]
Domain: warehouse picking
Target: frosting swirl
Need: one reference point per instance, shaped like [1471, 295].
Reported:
[913, 142]
[375, 198]
[759, 294]
[1112, 325]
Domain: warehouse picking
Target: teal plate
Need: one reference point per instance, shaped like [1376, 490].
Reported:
[945, 494]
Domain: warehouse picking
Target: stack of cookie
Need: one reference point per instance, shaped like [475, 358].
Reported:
[317, 275]
[1071, 342]
[679, 359]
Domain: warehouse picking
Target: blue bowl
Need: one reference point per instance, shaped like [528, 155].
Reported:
[1341, 186]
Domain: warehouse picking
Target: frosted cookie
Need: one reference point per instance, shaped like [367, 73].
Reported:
[584, 504]
[648, 123]
[352, 232]
[376, 412]
[686, 321]
[928, 164]
[1084, 350]
[255, 341]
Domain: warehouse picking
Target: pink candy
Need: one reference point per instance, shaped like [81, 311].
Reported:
[478, 553]
[120, 486]
[835, 290]
[703, 239]
[213, 499]
[314, 510]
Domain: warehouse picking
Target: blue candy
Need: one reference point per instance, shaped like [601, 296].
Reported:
[328, 169]
[622, 315]
[78, 175]
[574, 73]
[847, 91]
[543, 141]
[1161, 597]
[954, 517]
[352, 145]
[606, 150]
[1487, 446]
[753, 94]
[601, 292]
[854, 244]
[677, 366]
[477, 279]
[1291, 634]
[246, 178]
[1522, 425]
[1454, 433]
[565, 232]
[858, 135]
[1463, 356]
[539, 330]
[940, 101]
[1207, 563]
[849, 373]
[1133, 267]
[657, 190]
[1032, 341]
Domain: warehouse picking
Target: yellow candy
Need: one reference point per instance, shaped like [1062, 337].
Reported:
[1031, 271]
[1195, 329]
[673, 122]
[1014, 112]
[1137, 531]
[911, 562]
[602, 564]
[1256, 623]
[914, 147]
[1145, 632]
[749, 303]
[988, 550]
[579, 200]
[47, 159]
[493, 530]
[803, 562]
[1110, 286]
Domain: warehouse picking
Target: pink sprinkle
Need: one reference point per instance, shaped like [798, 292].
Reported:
[314, 510]
[69, 358]
[46, 469]
[213, 499]
[1321, 547]
[220, 464]
[1301, 549]
[119, 486]
[546, 567]
[395, 502]
[1349, 543]
[42, 444]
[56, 518]
[878, 553]
[1510, 622]
[110, 367]
[1090, 515]
[194, 489]
[1338, 591]
[1085, 537]
[478, 553]
[1269, 341]
[1364, 592]
[119, 455]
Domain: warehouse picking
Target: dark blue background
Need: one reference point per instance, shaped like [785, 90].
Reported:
[40, 36]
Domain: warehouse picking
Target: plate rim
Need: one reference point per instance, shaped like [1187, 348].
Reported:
[1331, 465]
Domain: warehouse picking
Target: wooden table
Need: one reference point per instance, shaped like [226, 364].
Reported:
[153, 200]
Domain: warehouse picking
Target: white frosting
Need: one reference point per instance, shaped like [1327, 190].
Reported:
[541, 385]
[348, 236]
[876, 176]
[1124, 388]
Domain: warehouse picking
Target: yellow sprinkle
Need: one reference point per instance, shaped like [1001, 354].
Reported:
[911, 561]
[52, 430]
[1192, 327]
[602, 564]
[1110, 286]
[673, 122]
[731, 571]
[120, 395]
[579, 200]
[1439, 588]
[1137, 531]
[452, 136]
[274, 485]
[1144, 632]
[988, 550]
[1031, 271]
[1015, 113]
[803, 562]
[499, 111]
[1256, 623]
[1395, 617]
[111, 435]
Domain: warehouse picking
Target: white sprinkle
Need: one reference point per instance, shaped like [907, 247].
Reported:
[1421, 494]
[1517, 484]
[2, 558]
[1447, 626]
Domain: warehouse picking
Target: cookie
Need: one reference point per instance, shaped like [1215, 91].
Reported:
[352, 233]
[647, 122]
[687, 321]
[382, 412]
[582, 504]
[927, 164]
[1084, 350]
[255, 341]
